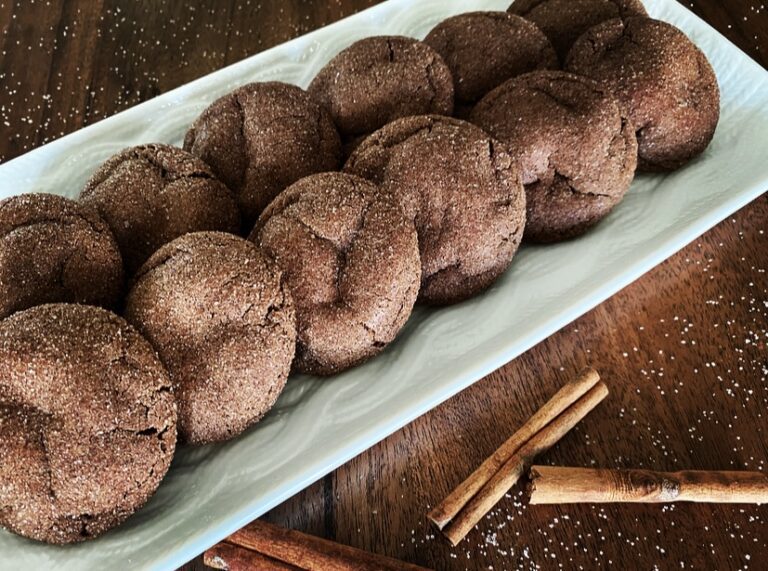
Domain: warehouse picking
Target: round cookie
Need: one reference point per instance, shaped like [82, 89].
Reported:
[484, 49]
[575, 148]
[382, 78]
[563, 21]
[664, 80]
[351, 261]
[216, 310]
[261, 138]
[53, 249]
[151, 194]
[463, 192]
[87, 422]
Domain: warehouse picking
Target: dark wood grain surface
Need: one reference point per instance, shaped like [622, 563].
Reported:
[683, 348]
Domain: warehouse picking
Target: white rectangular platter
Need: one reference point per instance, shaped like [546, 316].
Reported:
[318, 425]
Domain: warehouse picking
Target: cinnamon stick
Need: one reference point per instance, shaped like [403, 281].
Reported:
[565, 397]
[311, 553]
[560, 485]
[233, 558]
[490, 494]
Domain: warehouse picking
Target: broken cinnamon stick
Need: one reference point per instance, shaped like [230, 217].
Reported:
[561, 485]
[508, 475]
[310, 553]
[565, 397]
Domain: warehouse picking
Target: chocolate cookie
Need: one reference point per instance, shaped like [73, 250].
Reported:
[463, 192]
[574, 145]
[379, 79]
[563, 21]
[53, 249]
[663, 79]
[151, 194]
[351, 261]
[484, 49]
[87, 422]
[215, 309]
[261, 138]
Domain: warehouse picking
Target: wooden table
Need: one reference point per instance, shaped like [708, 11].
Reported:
[684, 348]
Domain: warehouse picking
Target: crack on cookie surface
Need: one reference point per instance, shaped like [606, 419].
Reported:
[75, 335]
[346, 218]
[447, 219]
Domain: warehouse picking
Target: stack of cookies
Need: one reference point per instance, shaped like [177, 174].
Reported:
[297, 229]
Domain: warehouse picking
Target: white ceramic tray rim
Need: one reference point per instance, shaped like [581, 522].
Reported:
[318, 425]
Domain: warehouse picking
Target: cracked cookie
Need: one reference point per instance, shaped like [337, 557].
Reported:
[151, 194]
[663, 79]
[87, 422]
[463, 192]
[379, 79]
[263, 137]
[484, 49]
[575, 148]
[563, 21]
[216, 310]
[53, 249]
[351, 261]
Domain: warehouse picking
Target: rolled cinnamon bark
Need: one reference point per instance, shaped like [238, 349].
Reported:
[302, 551]
[506, 477]
[562, 485]
[232, 558]
[572, 391]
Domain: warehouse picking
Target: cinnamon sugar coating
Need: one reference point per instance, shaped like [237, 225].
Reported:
[351, 261]
[382, 78]
[87, 422]
[463, 192]
[216, 310]
[563, 21]
[53, 249]
[484, 49]
[151, 194]
[261, 138]
[575, 146]
[662, 78]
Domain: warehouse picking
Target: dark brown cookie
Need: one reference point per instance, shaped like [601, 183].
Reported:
[576, 149]
[379, 79]
[151, 194]
[263, 137]
[484, 49]
[463, 192]
[563, 21]
[215, 309]
[664, 80]
[87, 422]
[351, 261]
[53, 249]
